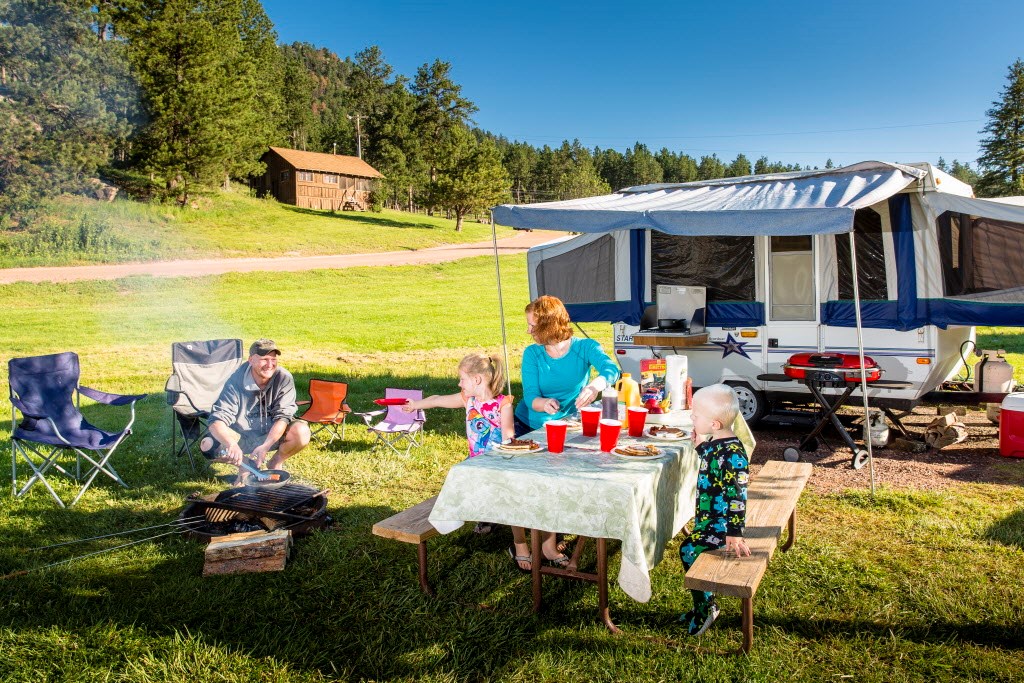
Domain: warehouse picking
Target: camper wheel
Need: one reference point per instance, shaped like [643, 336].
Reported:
[752, 403]
[860, 457]
[791, 455]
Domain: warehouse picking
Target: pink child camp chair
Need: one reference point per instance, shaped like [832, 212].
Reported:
[398, 428]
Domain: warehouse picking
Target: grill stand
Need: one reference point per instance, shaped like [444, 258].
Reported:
[815, 381]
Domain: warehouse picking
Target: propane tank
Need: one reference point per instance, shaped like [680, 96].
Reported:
[992, 374]
[876, 429]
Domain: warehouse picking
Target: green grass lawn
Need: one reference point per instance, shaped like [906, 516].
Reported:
[907, 587]
[76, 230]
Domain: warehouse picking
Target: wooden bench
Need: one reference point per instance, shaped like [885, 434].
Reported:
[771, 505]
[412, 526]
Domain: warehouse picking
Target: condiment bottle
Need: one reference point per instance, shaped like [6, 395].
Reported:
[610, 404]
[629, 394]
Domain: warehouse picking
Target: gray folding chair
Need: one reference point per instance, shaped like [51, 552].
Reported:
[199, 371]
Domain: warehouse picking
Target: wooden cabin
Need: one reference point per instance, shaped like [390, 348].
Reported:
[317, 181]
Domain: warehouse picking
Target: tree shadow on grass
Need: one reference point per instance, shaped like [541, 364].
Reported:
[375, 220]
[1009, 530]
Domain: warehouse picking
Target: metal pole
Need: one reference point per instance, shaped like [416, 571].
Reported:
[863, 370]
[501, 306]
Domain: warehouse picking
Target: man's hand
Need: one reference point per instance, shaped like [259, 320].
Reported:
[259, 454]
[233, 454]
[736, 544]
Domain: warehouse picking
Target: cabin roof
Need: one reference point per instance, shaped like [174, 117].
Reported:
[331, 163]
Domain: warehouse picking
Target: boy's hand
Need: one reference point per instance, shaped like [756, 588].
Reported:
[736, 544]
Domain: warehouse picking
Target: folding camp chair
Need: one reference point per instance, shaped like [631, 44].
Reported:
[41, 390]
[397, 427]
[327, 408]
[199, 371]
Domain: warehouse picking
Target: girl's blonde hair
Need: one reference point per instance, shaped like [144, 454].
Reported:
[489, 367]
[552, 324]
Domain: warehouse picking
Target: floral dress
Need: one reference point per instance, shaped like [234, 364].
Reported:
[483, 422]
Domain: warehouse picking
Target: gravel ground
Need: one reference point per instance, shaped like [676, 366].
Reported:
[974, 460]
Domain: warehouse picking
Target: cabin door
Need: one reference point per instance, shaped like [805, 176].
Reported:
[792, 299]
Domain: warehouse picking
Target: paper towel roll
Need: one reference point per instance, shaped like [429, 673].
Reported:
[675, 381]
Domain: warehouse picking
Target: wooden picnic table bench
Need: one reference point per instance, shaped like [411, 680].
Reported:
[412, 526]
[771, 505]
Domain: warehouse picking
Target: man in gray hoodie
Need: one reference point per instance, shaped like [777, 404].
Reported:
[255, 413]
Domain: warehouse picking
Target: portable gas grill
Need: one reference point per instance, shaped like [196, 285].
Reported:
[819, 371]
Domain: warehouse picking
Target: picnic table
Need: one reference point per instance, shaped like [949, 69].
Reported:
[582, 491]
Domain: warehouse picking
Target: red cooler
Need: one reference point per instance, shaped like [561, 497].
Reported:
[1011, 426]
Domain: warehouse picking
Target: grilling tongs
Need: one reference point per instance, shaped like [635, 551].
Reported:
[260, 476]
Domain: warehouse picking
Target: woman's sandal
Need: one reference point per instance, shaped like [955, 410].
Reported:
[518, 559]
[561, 561]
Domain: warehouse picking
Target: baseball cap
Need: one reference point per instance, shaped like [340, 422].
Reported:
[262, 347]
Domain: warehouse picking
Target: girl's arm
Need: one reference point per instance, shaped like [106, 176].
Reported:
[508, 429]
[436, 401]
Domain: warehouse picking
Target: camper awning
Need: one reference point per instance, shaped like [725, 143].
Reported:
[799, 203]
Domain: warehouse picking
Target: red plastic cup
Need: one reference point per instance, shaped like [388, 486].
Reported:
[590, 416]
[637, 419]
[556, 435]
[610, 434]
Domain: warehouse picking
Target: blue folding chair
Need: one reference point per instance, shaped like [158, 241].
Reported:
[51, 423]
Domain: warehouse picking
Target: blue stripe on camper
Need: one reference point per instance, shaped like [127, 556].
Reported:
[906, 272]
[939, 312]
[735, 314]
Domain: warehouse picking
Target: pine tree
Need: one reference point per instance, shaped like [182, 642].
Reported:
[440, 108]
[473, 178]
[1002, 161]
[65, 100]
[201, 64]
[740, 166]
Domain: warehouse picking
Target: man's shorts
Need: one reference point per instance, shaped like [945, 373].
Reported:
[248, 441]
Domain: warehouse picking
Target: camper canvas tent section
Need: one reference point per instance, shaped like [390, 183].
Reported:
[771, 253]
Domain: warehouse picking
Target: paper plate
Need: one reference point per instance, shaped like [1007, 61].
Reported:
[503, 449]
[618, 454]
[681, 436]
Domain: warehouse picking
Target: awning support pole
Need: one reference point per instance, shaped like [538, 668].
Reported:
[501, 307]
[863, 369]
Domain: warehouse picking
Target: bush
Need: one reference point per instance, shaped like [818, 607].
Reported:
[85, 239]
[376, 201]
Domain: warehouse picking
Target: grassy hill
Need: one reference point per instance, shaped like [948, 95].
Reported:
[76, 230]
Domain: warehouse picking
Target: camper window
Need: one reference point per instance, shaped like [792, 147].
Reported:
[582, 275]
[724, 265]
[974, 252]
[792, 278]
[867, 231]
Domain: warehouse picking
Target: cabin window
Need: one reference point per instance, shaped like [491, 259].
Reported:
[331, 179]
[974, 254]
[724, 265]
[306, 176]
[791, 272]
[867, 234]
[285, 174]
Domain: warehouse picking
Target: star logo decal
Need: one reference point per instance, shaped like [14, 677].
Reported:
[730, 345]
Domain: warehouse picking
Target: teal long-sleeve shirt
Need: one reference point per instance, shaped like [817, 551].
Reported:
[560, 378]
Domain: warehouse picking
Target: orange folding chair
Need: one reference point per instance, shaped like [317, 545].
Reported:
[327, 409]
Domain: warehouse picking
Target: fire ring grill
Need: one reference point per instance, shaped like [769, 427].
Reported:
[818, 371]
[297, 507]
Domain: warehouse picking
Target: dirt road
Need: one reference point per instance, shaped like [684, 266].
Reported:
[516, 244]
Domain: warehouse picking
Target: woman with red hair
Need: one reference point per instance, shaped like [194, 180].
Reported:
[556, 383]
[556, 369]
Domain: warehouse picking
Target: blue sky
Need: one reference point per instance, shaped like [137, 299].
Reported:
[798, 82]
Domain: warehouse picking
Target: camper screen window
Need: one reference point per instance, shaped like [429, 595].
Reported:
[725, 265]
[867, 231]
[973, 252]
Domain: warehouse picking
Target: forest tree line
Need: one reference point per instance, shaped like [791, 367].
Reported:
[166, 99]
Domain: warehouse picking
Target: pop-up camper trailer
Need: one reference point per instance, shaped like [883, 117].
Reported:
[773, 255]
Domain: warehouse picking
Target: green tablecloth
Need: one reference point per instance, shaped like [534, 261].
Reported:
[643, 503]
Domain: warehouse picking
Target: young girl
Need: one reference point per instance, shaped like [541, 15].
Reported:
[488, 412]
[489, 418]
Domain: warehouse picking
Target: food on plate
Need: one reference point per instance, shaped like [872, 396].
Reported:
[573, 425]
[520, 445]
[660, 430]
[638, 451]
